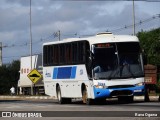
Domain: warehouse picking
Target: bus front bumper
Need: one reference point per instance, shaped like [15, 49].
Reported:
[130, 91]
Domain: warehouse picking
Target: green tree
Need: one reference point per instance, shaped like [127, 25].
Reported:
[150, 42]
[9, 76]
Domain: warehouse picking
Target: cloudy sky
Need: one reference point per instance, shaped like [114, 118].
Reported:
[73, 18]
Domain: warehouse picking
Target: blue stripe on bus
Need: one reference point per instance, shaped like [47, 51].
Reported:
[64, 72]
[73, 73]
[55, 73]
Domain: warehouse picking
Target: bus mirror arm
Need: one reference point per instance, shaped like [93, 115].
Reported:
[91, 58]
[90, 67]
[90, 64]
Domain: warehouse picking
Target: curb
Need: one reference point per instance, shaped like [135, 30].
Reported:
[142, 97]
[27, 97]
[3, 97]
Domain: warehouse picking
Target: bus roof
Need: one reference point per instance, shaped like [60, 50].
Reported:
[99, 38]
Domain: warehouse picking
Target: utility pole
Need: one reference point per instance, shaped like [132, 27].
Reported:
[31, 41]
[59, 35]
[0, 54]
[133, 19]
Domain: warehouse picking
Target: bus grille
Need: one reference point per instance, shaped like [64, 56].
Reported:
[120, 86]
[121, 93]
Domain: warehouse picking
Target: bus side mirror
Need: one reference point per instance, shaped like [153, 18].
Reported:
[90, 58]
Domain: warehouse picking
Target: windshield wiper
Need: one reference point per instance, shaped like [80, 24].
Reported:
[115, 71]
[128, 69]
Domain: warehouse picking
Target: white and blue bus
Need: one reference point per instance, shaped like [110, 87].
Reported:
[93, 68]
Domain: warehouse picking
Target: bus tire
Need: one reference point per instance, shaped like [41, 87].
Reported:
[85, 98]
[146, 97]
[60, 99]
[59, 96]
[90, 102]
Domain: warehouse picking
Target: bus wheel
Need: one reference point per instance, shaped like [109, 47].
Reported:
[85, 98]
[60, 99]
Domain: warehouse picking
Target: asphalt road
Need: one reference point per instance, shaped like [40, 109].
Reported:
[111, 110]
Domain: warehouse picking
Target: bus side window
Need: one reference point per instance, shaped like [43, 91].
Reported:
[80, 52]
[74, 52]
[87, 58]
[46, 51]
[62, 55]
[55, 55]
[51, 55]
[44, 55]
[68, 54]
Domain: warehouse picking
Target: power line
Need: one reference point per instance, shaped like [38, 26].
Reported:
[11, 57]
[137, 24]
[54, 35]
[111, 0]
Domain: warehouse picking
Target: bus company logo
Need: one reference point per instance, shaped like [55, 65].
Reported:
[101, 84]
[47, 74]
[81, 71]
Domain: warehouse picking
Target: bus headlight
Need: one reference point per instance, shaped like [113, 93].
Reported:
[140, 84]
[99, 86]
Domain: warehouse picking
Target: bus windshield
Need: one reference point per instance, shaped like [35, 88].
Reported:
[117, 60]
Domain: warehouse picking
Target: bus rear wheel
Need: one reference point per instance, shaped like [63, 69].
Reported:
[59, 96]
[60, 99]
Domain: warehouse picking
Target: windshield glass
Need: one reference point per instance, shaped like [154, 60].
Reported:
[117, 60]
